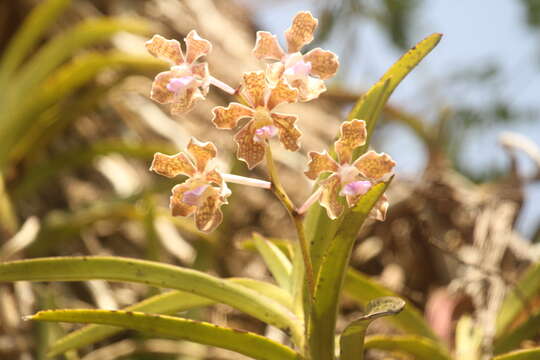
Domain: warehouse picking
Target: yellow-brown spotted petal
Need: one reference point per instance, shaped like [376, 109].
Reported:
[177, 204]
[253, 88]
[281, 93]
[164, 49]
[227, 118]
[159, 92]
[201, 153]
[249, 150]
[319, 163]
[196, 46]
[184, 102]
[375, 166]
[208, 215]
[288, 132]
[353, 135]
[172, 165]
[267, 47]
[324, 64]
[213, 176]
[309, 88]
[329, 197]
[301, 31]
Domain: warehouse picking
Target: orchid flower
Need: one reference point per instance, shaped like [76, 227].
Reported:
[188, 79]
[264, 123]
[347, 178]
[203, 192]
[303, 72]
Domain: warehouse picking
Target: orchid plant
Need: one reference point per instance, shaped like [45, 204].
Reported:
[311, 274]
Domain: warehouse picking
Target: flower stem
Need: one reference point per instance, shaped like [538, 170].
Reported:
[220, 84]
[242, 180]
[278, 190]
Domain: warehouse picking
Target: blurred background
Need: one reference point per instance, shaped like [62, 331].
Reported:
[78, 132]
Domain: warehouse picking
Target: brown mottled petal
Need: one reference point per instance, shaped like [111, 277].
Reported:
[249, 151]
[253, 88]
[196, 46]
[159, 92]
[215, 177]
[267, 47]
[324, 64]
[353, 135]
[185, 102]
[177, 204]
[319, 163]
[301, 31]
[274, 72]
[329, 197]
[309, 88]
[165, 49]
[172, 165]
[281, 93]
[375, 166]
[227, 118]
[208, 215]
[201, 153]
[379, 210]
[288, 132]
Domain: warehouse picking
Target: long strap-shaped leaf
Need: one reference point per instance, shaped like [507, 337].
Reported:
[154, 274]
[529, 354]
[168, 304]
[243, 342]
[331, 276]
[276, 261]
[419, 347]
[352, 338]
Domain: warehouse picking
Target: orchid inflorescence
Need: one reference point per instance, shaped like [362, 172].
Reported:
[289, 77]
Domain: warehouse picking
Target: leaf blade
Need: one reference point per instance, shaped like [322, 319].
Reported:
[153, 274]
[243, 342]
[419, 347]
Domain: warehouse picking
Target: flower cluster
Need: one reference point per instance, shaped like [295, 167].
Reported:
[289, 77]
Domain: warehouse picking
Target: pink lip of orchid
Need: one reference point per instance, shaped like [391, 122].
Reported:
[356, 188]
[178, 84]
[265, 132]
[299, 69]
[192, 197]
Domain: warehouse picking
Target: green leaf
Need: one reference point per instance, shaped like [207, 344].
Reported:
[352, 338]
[33, 28]
[512, 339]
[529, 354]
[361, 289]
[168, 304]
[243, 342]
[153, 274]
[519, 298]
[419, 347]
[332, 274]
[277, 262]
[393, 76]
